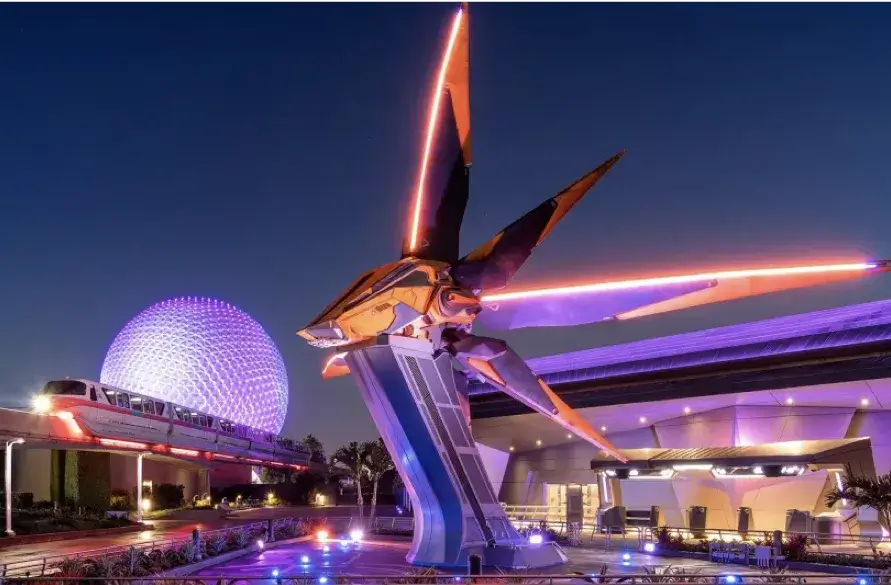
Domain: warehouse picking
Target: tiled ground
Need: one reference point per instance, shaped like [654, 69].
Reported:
[386, 556]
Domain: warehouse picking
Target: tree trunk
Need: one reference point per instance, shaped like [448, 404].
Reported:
[885, 518]
[374, 499]
[360, 501]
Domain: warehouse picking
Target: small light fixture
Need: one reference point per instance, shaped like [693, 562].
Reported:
[649, 547]
[790, 401]
[538, 442]
[603, 429]
[643, 420]
[687, 410]
[511, 448]
[568, 435]
[864, 402]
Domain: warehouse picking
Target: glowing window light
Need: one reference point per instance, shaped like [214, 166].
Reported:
[431, 129]
[649, 547]
[536, 539]
[202, 354]
[184, 452]
[356, 535]
[122, 444]
[668, 280]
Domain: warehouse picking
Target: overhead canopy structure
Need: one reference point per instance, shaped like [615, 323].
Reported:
[857, 452]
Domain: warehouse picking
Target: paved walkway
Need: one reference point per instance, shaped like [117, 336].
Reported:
[165, 530]
[386, 556]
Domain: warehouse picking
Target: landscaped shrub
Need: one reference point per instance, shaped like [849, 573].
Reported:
[120, 501]
[23, 500]
[167, 495]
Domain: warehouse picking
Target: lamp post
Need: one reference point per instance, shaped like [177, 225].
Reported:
[9, 444]
[139, 486]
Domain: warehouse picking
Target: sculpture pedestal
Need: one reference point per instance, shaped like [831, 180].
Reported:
[413, 399]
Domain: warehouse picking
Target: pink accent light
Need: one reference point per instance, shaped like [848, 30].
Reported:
[667, 280]
[431, 129]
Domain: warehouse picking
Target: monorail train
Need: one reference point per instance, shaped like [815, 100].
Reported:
[115, 414]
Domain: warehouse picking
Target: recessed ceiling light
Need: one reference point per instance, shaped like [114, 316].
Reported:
[643, 419]
[568, 435]
[790, 400]
[686, 410]
[538, 443]
[603, 429]
[864, 402]
[511, 448]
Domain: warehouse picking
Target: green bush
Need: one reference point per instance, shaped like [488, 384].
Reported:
[166, 496]
[120, 501]
[23, 501]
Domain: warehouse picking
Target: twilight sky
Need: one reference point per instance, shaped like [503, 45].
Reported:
[264, 154]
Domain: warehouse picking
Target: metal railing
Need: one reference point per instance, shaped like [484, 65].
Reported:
[49, 564]
[420, 578]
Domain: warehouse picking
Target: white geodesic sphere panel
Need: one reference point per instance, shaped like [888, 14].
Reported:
[204, 354]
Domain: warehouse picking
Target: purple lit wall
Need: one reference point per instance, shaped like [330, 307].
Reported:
[204, 354]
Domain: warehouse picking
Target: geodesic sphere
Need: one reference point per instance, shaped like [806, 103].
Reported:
[203, 354]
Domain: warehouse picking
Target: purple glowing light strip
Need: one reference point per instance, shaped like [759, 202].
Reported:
[844, 326]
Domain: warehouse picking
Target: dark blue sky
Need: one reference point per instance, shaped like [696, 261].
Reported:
[264, 154]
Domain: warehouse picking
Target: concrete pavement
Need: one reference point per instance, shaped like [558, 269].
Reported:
[170, 529]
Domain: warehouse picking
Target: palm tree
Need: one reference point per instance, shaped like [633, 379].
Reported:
[352, 460]
[316, 449]
[377, 463]
[865, 492]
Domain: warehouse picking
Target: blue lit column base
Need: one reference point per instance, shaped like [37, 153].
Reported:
[413, 399]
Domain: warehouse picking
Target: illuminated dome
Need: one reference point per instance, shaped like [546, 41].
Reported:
[204, 354]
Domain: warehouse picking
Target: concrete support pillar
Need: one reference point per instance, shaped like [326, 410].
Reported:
[8, 478]
[139, 486]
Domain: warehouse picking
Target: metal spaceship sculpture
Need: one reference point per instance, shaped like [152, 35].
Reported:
[400, 328]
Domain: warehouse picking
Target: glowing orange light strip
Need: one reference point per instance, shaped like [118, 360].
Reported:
[122, 444]
[186, 452]
[431, 129]
[629, 284]
[223, 456]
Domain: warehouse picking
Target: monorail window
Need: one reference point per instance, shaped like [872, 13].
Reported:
[123, 400]
[202, 420]
[148, 407]
[194, 419]
[227, 427]
[209, 422]
[159, 408]
[66, 387]
[110, 395]
[93, 393]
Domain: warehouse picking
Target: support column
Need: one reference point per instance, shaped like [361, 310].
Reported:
[139, 486]
[8, 477]
[412, 394]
